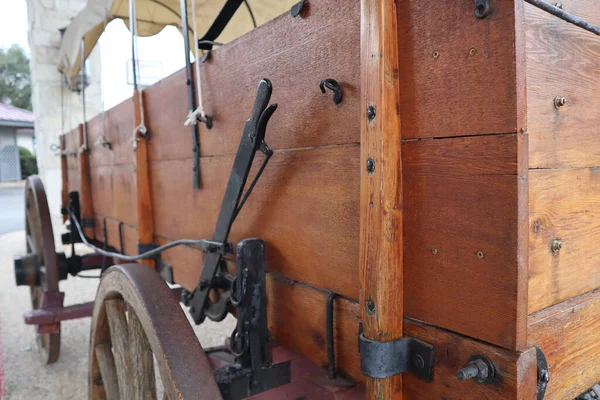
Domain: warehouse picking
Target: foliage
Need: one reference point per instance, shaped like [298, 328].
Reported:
[15, 79]
[28, 163]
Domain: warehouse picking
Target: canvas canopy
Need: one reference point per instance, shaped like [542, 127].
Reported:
[152, 16]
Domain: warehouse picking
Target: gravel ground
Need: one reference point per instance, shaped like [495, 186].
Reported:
[25, 377]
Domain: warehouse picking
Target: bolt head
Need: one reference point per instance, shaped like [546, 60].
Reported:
[371, 113]
[418, 361]
[370, 307]
[556, 245]
[370, 165]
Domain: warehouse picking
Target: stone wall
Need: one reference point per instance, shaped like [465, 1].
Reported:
[54, 116]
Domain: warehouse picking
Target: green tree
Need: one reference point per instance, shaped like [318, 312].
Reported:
[15, 79]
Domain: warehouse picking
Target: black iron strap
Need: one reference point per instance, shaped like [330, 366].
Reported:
[405, 355]
[219, 24]
[542, 372]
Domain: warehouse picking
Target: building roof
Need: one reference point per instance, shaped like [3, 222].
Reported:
[13, 116]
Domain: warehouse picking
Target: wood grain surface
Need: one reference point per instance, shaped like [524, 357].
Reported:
[459, 74]
[568, 335]
[461, 236]
[562, 60]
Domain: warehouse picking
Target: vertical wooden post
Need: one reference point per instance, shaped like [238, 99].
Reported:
[142, 176]
[85, 197]
[381, 275]
[64, 193]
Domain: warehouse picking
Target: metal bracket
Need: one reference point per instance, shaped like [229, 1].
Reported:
[146, 247]
[592, 394]
[252, 140]
[405, 355]
[542, 372]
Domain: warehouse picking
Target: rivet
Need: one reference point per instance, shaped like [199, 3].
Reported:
[436, 54]
[559, 102]
[371, 113]
[370, 307]
[434, 251]
[556, 245]
[480, 254]
[370, 165]
[473, 51]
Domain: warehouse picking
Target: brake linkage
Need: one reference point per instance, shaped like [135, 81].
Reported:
[214, 273]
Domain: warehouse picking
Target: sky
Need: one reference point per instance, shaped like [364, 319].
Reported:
[164, 52]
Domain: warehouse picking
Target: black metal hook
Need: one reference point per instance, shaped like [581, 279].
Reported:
[335, 87]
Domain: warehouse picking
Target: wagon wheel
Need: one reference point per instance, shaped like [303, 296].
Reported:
[39, 269]
[136, 320]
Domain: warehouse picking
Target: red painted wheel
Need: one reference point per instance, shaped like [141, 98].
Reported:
[137, 320]
[39, 269]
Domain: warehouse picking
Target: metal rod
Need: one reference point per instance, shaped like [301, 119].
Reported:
[565, 15]
[202, 244]
[330, 341]
[132, 30]
[190, 91]
[85, 138]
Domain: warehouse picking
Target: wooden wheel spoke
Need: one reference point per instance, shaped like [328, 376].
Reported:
[119, 336]
[106, 363]
[144, 383]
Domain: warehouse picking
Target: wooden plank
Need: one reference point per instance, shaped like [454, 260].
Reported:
[85, 194]
[569, 335]
[106, 363]
[462, 224]
[563, 205]
[517, 370]
[295, 54]
[297, 313]
[381, 241]
[119, 336]
[460, 75]
[129, 234]
[562, 60]
[145, 217]
[142, 364]
[305, 207]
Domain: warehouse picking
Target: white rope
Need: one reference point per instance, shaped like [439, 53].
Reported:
[198, 114]
[141, 128]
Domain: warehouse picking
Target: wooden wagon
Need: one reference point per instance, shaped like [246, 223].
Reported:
[426, 219]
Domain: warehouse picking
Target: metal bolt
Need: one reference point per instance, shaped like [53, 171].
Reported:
[418, 361]
[434, 251]
[468, 372]
[480, 368]
[559, 102]
[370, 165]
[436, 54]
[371, 113]
[482, 8]
[480, 254]
[473, 51]
[370, 306]
[371, 205]
[556, 245]
[545, 376]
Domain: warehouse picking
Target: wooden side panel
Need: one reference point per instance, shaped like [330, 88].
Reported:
[305, 207]
[569, 336]
[563, 205]
[297, 315]
[295, 54]
[458, 73]
[518, 370]
[461, 230]
[563, 60]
